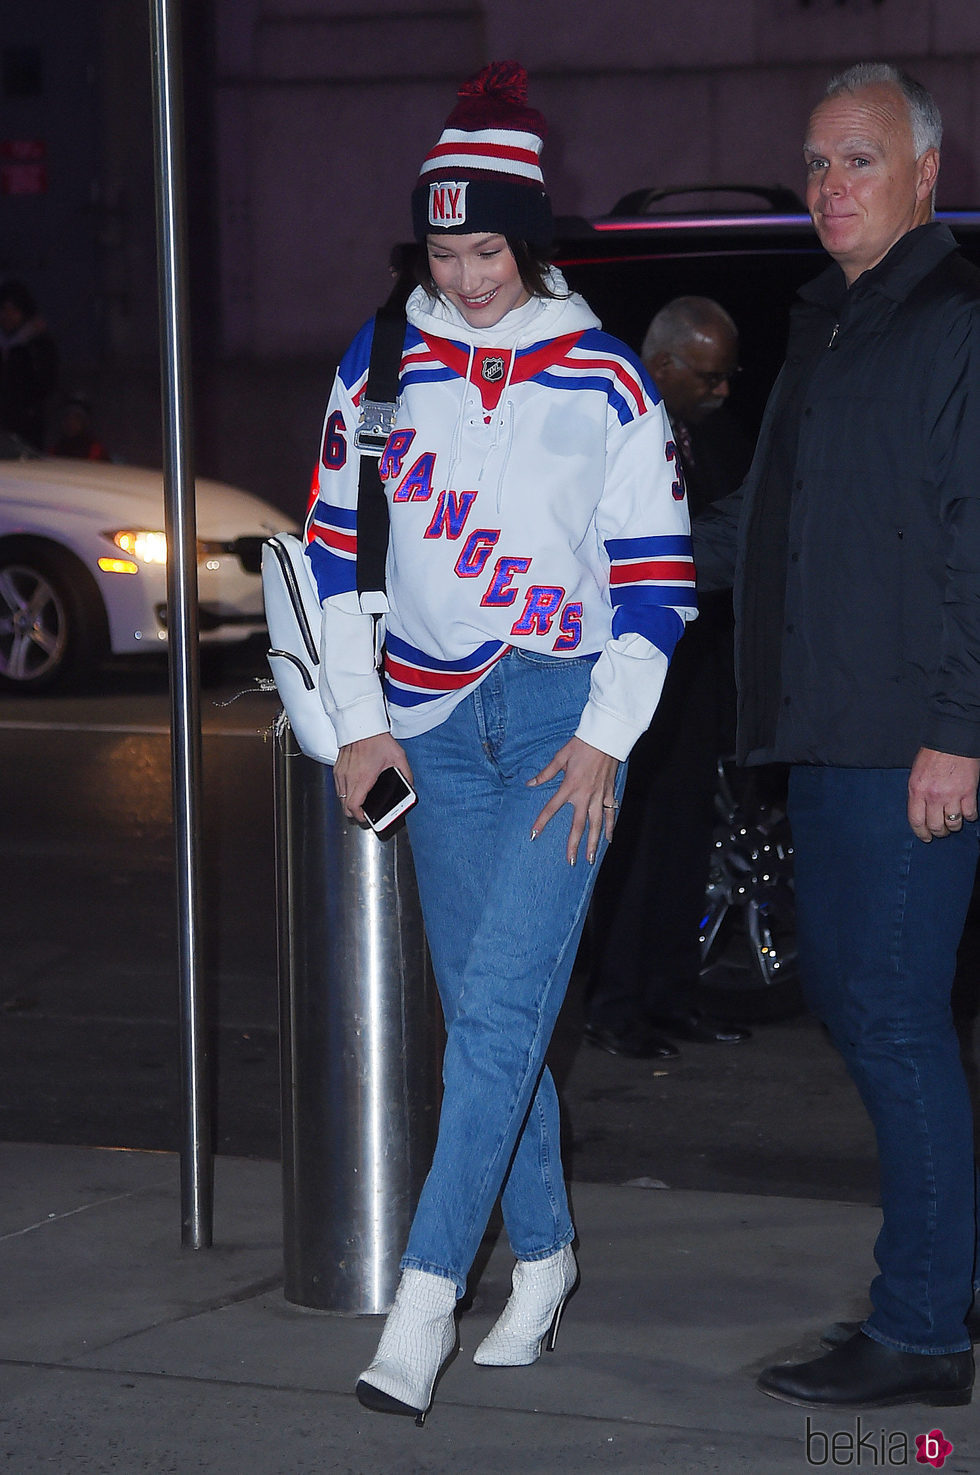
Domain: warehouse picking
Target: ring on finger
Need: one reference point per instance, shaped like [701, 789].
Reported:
[952, 819]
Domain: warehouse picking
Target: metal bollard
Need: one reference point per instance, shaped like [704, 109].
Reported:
[360, 1035]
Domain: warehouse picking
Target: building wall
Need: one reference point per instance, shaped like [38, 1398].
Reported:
[49, 185]
[324, 110]
[307, 120]
[324, 117]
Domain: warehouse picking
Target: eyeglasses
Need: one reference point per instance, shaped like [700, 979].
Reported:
[710, 381]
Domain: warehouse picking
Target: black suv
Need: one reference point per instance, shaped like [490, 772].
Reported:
[751, 249]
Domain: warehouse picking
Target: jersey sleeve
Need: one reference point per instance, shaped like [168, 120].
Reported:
[643, 525]
[331, 519]
[350, 687]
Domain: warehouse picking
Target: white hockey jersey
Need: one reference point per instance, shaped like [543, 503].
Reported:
[536, 500]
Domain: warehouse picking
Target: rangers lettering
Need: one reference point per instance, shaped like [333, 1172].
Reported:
[570, 625]
[476, 550]
[417, 486]
[394, 453]
[449, 518]
[541, 604]
[500, 590]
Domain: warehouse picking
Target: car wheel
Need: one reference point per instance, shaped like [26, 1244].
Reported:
[52, 623]
[749, 966]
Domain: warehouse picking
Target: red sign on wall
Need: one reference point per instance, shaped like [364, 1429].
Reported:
[23, 166]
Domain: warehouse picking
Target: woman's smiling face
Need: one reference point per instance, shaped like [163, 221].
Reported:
[478, 274]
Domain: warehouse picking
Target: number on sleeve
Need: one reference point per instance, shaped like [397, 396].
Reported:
[334, 442]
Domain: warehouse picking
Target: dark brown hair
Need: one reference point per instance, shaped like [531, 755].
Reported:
[531, 262]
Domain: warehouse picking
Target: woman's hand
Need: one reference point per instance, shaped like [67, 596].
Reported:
[589, 786]
[358, 765]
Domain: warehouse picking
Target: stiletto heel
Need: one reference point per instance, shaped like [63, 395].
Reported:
[559, 1309]
[418, 1339]
[532, 1316]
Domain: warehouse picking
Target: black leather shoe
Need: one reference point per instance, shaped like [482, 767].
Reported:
[637, 1044]
[840, 1331]
[700, 1029]
[861, 1373]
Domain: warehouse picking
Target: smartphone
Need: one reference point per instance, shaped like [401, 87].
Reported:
[388, 799]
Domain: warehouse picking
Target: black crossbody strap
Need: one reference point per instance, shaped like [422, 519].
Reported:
[377, 421]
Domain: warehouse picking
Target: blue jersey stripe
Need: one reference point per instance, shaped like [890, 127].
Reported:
[399, 697]
[660, 595]
[662, 627]
[402, 651]
[354, 363]
[333, 575]
[330, 513]
[658, 547]
[599, 382]
[436, 374]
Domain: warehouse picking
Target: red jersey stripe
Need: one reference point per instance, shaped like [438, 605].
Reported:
[431, 680]
[614, 366]
[333, 538]
[657, 570]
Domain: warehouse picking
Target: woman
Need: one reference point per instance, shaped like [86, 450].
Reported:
[538, 577]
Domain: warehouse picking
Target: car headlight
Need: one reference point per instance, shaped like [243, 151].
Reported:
[142, 544]
[145, 545]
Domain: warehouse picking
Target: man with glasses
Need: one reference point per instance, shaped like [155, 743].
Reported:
[649, 898]
[691, 351]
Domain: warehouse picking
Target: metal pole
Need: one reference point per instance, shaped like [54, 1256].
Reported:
[196, 1164]
[361, 1043]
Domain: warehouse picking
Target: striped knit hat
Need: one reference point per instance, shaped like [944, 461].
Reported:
[484, 173]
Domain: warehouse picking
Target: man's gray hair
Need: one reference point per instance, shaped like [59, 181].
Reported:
[924, 115]
[683, 319]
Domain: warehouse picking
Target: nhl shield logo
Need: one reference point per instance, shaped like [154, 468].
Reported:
[492, 368]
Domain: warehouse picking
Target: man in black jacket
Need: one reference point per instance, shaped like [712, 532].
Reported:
[857, 598]
[644, 935]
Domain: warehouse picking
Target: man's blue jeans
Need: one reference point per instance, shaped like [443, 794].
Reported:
[880, 914]
[503, 915]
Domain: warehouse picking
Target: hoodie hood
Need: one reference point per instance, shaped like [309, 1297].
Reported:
[533, 322]
[538, 320]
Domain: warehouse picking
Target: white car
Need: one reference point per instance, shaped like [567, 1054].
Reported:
[83, 564]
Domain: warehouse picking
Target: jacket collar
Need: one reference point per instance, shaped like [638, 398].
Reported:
[911, 258]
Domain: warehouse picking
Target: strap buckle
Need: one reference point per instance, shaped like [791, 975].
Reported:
[375, 425]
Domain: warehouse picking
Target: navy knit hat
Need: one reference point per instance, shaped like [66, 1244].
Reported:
[484, 173]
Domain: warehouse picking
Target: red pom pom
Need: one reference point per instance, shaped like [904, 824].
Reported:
[503, 79]
[496, 98]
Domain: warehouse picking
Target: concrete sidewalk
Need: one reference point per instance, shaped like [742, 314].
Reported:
[119, 1351]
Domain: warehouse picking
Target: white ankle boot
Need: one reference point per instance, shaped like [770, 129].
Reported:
[540, 1290]
[419, 1335]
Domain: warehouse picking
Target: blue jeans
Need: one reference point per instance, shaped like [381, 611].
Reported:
[503, 915]
[879, 916]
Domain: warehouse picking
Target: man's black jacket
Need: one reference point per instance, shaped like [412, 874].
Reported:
[855, 539]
